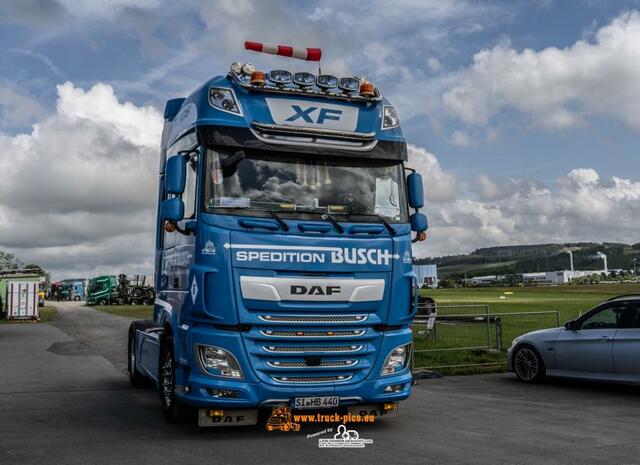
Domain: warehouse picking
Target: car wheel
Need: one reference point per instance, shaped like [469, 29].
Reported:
[528, 365]
[103, 302]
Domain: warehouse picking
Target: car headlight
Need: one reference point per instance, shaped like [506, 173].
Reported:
[397, 360]
[390, 117]
[224, 100]
[219, 362]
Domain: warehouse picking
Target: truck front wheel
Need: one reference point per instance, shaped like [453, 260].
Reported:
[174, 410]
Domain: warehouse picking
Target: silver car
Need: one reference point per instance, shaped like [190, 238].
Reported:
[603, 344]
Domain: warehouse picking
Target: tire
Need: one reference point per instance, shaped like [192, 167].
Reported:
[136, 378]
[174, 410]
[528, 364]
[77, 298]
[103, 302]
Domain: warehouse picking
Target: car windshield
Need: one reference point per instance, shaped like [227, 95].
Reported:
[305, 184]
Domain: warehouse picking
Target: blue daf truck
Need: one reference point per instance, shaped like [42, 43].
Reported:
[283, 261]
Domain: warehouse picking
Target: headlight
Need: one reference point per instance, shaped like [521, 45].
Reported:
[390, 117]
[225, 100]
[326, 81]
[219, 362]
[397, 360]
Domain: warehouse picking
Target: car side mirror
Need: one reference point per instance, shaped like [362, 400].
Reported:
[415, 190]
[175, 175]
[172, 210]
[571, 325]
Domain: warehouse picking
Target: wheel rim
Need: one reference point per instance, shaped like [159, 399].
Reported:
[526, 364]
[167, 381]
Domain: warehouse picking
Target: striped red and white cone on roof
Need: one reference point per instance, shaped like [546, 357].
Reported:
[308, 54]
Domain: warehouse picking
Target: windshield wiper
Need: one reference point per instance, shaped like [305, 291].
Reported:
[283, 225]
[332, 220]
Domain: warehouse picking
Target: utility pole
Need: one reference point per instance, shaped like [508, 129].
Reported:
[635, 274]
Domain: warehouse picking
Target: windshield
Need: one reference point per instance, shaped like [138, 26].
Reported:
[303, 184]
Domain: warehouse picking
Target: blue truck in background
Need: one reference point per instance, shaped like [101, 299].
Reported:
[283, 260]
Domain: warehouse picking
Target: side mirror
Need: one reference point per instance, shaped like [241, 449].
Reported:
[571, 325]
[172, 210]
[415, 191]
[175, 175]
[419, 222]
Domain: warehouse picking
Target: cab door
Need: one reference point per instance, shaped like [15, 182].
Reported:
[626, 344]
[590, 347]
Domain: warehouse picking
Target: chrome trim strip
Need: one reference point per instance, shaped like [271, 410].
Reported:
[350, 363]
[315, 379]
[320, 318]
[355, 333]
[319, 143]
[312, 350]
[287, 129]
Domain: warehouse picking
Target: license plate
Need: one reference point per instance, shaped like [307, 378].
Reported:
[228, 418]
[316, 402]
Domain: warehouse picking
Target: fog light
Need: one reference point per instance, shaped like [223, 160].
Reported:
[227, 393]
[394, 388]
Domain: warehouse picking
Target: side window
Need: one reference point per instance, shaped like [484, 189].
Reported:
[631, 316]
[189, 195]
[608, 317]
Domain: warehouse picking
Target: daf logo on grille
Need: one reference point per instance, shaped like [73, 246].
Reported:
[315, 290]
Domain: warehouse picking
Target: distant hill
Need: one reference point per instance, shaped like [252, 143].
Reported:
[532, 258]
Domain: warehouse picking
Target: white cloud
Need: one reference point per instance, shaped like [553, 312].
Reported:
[579, 206]
[80, 188]
[439, 186]
[461, 138]
[557, 88]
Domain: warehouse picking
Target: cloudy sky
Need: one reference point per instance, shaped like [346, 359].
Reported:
[524, 116]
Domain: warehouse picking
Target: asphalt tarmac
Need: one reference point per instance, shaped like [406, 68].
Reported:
[65, 399]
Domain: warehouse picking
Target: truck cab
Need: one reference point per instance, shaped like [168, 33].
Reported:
[283, 261]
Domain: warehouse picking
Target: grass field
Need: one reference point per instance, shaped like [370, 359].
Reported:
[568, 301]
[139, 312]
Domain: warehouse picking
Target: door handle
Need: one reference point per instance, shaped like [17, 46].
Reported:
[606, 339]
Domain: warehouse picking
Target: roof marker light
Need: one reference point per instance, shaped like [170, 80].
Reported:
[257, 78]
[367, 89]
[326, 81]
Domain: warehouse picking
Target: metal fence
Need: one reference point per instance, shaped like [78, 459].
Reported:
[459, 337]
